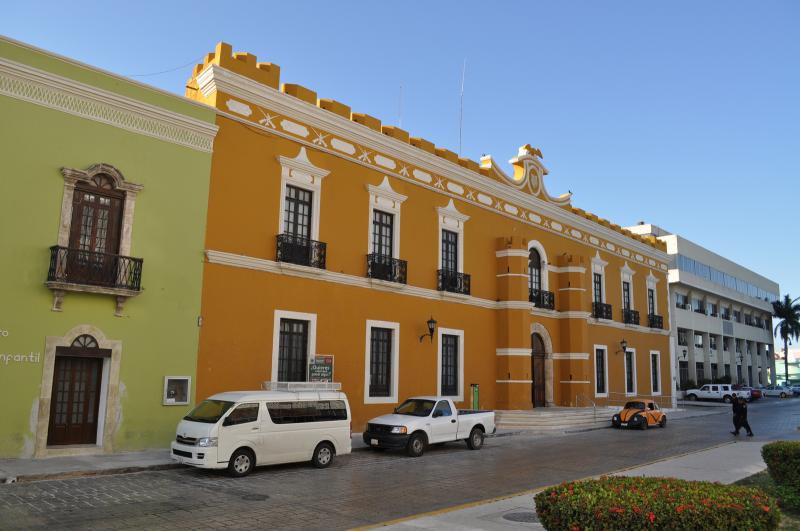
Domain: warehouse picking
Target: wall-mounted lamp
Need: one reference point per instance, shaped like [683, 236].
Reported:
[431, 328]
[685, 353]
[623, 347]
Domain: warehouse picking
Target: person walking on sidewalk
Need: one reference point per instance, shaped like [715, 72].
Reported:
[740, 421]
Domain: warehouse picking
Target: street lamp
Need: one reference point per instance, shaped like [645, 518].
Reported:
[623, 345]
[431, 327]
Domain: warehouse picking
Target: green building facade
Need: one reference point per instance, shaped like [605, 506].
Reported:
[103, 197]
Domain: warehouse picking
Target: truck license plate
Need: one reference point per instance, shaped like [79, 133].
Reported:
[373, 442]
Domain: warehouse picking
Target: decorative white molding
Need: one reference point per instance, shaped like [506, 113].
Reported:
[62, 94]
[300, 172]
[626, 275]
[384, 198]
[566, 269]
[514, 381]
[215, 78]
[276, 329]
[604, 349]
[513, 352]
[460, 334]
[517, 253]
[453, 220]
[599, 267]
[570, 355]
[543, 269]
[395, 370]
[574, 381]
[271, 266]
[571, 289]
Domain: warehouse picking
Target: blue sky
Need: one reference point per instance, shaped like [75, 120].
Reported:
[683, 113]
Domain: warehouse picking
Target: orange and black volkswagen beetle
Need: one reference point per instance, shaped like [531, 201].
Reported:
[640, 414]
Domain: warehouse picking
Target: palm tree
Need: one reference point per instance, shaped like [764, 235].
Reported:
[788, 311]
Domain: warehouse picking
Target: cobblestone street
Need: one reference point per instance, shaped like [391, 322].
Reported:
[366, 487]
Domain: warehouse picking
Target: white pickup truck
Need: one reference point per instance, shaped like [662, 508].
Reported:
[724, 392]
[424, 420]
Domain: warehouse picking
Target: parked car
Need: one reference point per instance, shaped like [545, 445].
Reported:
[724, 392]
[778, 390]
[245, 429]
[755, 392]
[424, 420]
[640, 414]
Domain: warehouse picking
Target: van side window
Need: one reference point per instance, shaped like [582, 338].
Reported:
[242, 414]
[307, 411]
[443, 409]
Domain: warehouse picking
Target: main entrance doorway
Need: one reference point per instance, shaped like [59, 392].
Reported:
[537, 371]
[75, 399]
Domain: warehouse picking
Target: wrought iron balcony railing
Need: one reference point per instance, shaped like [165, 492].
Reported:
[76, 266]
[542, 299]
[655, 321]
[601, 310]
[453, 281]
[630, 316]
[386, 268]
[302, 251]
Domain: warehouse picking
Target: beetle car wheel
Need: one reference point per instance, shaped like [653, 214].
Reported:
[663, 422]
[475, 440]
[644, 424]
[416, 445]
[241, 463]
[323, 455]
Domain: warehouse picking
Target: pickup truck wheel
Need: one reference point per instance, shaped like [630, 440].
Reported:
[242, 462]
[475, 439]
[727, 399]
[323, 455]
[783, 395]
[691, 397]
[416, 445]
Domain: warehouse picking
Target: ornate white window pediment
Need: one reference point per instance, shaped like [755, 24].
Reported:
[599, 268]
[300, 172]
[451, 219]
[626, 275]
[384, 198]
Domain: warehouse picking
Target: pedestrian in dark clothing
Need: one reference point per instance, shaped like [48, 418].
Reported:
[742, 418]
[736, 409]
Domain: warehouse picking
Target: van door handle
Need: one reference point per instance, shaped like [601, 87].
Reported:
[255, 428]
[453, 421]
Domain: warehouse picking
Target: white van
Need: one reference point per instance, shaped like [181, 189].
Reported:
[243, 429]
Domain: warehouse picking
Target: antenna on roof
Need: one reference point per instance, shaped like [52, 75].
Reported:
[461, 105]
[400, 108]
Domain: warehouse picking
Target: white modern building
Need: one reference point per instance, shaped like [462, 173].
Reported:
[720, 315]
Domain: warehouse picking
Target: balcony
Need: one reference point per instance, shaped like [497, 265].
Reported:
[453, 281]
[630, 316]
[700, 310]
[542, 299]
[655, 321]
[601, 310]
[87, 268]
[382, 267]
[301, 251]
[682, 306]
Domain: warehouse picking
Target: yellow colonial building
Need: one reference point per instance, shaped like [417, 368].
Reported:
[336, 244]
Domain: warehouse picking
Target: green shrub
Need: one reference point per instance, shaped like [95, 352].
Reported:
[783, 462]
[627, 503]
[788, 497]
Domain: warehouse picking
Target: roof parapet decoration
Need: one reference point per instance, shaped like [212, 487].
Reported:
[528, 174]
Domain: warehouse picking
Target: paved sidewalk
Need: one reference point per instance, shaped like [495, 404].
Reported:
[726, 464]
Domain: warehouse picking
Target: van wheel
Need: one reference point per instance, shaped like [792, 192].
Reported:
[416, 445]
[323, 455]
[242, 462]
[727, 399]
[475, 440]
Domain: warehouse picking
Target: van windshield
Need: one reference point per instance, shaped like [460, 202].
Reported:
[209, 411]
[416, 407]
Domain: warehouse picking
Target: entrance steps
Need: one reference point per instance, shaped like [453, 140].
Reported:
[554, 419]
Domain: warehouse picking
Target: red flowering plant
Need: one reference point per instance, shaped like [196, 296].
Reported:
[629, 503]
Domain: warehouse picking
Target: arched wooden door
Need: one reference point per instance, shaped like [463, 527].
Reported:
[537, 370]
[76, 392]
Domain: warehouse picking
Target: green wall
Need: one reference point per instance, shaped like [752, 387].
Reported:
[159, 330]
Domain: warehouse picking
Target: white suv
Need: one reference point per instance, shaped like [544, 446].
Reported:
[724, 392]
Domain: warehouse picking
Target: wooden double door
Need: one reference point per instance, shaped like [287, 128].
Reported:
[75, 399]
[537, 370]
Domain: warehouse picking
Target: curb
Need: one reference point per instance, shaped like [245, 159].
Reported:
[86, 473]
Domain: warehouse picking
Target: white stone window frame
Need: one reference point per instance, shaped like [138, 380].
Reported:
[658, 365]
[544, 271]
[460, 334]
[625, 372]
[453, 220]
[276, 337]
[604, 348]
[652, 284]
[71, 178]
[165, 399]
[385, 199]
[395, 328]
[626, 275]
[301, 173]
[599, 266]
